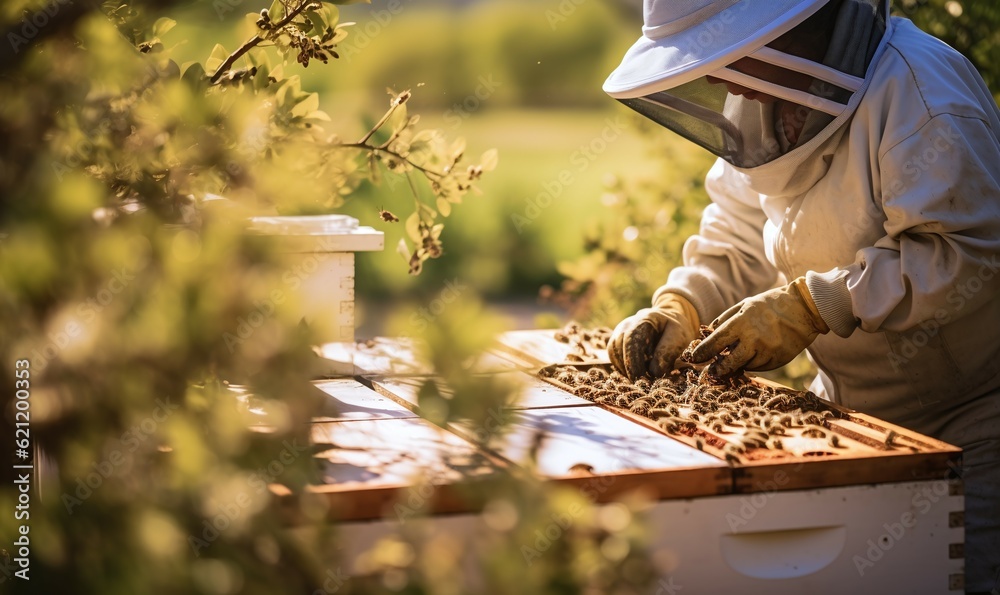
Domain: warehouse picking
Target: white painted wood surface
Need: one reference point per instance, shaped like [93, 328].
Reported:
[532, 392]
[319, 256]
[349, 400]
[832, 541]
[398, 356]
[566, 441]
[390, 452]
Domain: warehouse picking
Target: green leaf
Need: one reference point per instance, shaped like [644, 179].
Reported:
[444, 207]
[457, 147]
[277, 11]
[217, 57]
[278, 72]
[319, 26]
[323, 18]
[162, 25]
[307, 105]
[403, 250]
[413, 227]
[318, 115]
[350, 2]
[259, 58]
[398, 119]
[341, 33]
[489, 160]
[426, 211]
[194, 74]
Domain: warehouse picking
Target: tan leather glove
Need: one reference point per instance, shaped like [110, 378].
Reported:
[763, 332]
[649, 342]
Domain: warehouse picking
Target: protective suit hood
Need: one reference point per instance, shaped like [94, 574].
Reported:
[802, 165]
[754, 87]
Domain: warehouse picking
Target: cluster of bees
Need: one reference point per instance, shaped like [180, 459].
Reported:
[740, 414]
[583, 342]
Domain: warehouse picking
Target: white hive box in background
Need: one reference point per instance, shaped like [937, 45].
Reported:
[319, 252]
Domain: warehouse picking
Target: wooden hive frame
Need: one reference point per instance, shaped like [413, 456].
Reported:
[871, 450]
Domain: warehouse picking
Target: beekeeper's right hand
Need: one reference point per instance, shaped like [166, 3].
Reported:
[649, 342]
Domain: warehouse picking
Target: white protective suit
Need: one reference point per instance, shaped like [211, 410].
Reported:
[894, 218]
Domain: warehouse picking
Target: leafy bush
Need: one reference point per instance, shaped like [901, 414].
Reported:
[143, 312]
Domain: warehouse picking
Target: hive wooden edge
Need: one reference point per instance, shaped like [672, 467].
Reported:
[348, 503]
[799, 474]
[936, 461]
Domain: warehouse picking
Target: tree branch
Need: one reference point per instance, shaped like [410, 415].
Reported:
[367, 147]
[256, 39]
[378, 124]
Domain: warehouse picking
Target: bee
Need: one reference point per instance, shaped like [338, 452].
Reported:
[668, 425]
[623, 400]
[736, 449]
[814, 433]
[597, 374]
[387, 216]
[891, 438]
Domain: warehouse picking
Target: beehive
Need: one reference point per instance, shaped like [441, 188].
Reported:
[789, 522]
[319, 259]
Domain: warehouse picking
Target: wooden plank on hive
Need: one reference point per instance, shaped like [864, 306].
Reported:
[575, 445]
[349, 400]
[395, 356]
[842, 470]
[369, 465]
[540, 348]
[394, 451]
[532, 392]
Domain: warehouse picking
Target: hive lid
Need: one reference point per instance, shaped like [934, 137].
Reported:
[306, 225]
[316, 233]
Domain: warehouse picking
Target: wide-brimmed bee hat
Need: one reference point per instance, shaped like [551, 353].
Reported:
[715, 70]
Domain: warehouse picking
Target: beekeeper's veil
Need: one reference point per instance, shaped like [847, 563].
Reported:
[749, 80]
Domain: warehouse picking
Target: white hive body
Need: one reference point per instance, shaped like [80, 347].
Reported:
[319, 255]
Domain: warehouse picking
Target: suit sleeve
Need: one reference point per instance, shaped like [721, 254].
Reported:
[939, 256]
[725, 262]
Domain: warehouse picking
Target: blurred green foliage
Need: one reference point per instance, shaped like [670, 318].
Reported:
[122, 287]
[508, 75]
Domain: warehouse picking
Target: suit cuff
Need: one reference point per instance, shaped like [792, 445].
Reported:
[700, 291]
[833, 300]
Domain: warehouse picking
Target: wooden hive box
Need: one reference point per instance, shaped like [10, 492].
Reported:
[319, 253]
[792, 523]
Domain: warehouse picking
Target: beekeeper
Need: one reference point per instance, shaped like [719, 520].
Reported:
[855, 213]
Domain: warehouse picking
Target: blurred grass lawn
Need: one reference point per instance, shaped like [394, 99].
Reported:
[483, 245]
